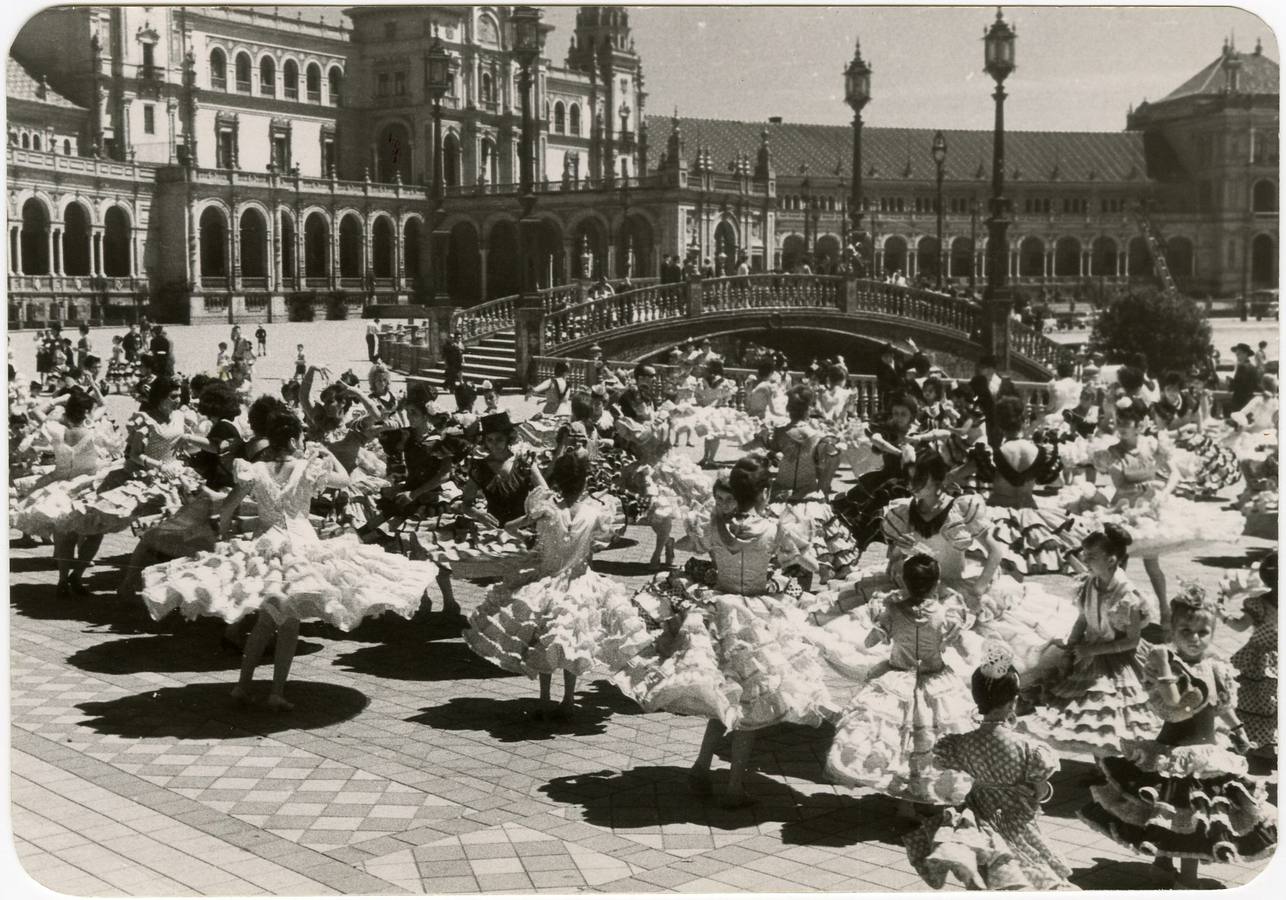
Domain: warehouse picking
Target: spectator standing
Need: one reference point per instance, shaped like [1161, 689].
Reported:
[261, 340]
[453, 360]
[131, 343]
[372, 339]
[1245, 378]
[162, 353]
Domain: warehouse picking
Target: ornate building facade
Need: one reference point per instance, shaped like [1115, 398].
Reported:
[234, 162]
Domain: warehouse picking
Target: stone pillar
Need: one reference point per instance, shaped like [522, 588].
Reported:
[695, 298]
[274, 284]
[439, 330]
[1047, 264]
[15, 249]
[56, 261]
[1123, 263]
[135, 235]
[195, 258]
[483, 252]
[49, 242]
[334, 257]
[399, 263]
[96, 251]
[530, 337]
[234, 257]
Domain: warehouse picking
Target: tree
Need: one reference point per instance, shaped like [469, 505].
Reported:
[1171, 331]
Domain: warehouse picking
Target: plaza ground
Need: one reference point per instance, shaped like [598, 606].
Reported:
[410, 766]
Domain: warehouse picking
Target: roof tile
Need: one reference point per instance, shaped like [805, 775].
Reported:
[22, 85]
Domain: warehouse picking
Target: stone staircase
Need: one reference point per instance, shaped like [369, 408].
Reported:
[1156, 247]
[491, 359]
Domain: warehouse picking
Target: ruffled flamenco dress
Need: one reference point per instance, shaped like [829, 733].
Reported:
[1182, 795]
[558, 613]
[138, 496]
[45, 511]
[1159, 522]
[715, 417]
[287, 570]
[885, 737]
[800, 505]
[1208, 466]
[732, 646]
[669, 483]
[1021, 614]
[1038, 540]
[1099, 702]
[1257, 661]
[992, 841]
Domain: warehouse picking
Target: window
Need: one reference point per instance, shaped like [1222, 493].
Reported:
[559, 118]
[381, 84]
[279, 135]
[268, 77]
[327, 151]
[149, 61]
[399, 83]
[334, 76]
[290, 79]
[218, 70]
[243, 72]
[314, 83]
[35, 142]
[225, 150]
[573, 120]
[149, 119]
[67, 148]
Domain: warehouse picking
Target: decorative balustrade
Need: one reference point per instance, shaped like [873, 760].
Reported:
[1026, 341]
[772, 291]
[83, 284]
[657, 303]
[922, 306]
[87, 165]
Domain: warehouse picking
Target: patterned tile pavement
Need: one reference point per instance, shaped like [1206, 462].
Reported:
[411, 767]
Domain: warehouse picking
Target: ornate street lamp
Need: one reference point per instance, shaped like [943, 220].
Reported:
[939, 160]
[857, 93]
[998, 56]
[528, 44]
[441, 70]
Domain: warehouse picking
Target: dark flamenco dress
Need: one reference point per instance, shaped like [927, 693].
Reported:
[860, 508]
[1182, 795]
[1213, 466]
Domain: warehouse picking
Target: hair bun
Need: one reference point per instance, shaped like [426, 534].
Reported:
[1118, 534]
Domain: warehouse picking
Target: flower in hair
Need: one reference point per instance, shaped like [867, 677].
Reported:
[1192, 596]
[1125, 403]
[997, 660]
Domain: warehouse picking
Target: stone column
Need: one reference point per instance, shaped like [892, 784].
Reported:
[274, 285]
[234, 256]
[399, 263]
[334, 255]
[96, 243]
[483, 253]
[56, 261]
[49, 242]
[530, 337]
[195, 260]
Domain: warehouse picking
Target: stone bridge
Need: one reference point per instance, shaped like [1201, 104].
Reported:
[637, 323]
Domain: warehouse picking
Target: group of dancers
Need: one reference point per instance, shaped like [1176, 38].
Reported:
[952, 681]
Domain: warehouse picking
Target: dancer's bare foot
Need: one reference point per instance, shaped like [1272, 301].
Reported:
[240, 695]
[278, 703]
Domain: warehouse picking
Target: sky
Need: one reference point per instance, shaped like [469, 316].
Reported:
[1079, 68]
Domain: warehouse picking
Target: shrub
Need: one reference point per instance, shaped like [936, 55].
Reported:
[1171, 331]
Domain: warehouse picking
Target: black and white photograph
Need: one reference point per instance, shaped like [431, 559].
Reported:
[465, 449]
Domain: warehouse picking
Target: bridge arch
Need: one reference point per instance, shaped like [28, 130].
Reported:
[317, 244]
[1263, 261]
[214, 242]
[926, 257]
[960, 264]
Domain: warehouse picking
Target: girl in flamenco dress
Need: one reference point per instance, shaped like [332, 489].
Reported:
[153, 481]
[48, 508]
[670, 481]
[1100, 703]
[717, 420]
[949, 528]
[1037, 539]
[993, 841]
[806, 459]
[860, 507]
[1144, 502]
[885, 737]
[191, 529]
[1074, 434]
[1184, 416]
[1181, 795]
[735, 652]
[493, 496]
[285, 572]
[1252, 604]
[559, 615]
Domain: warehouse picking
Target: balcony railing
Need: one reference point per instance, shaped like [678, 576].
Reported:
[243, 87]
[218, 84]
[268, 89]
[314, 96]
[292, 93]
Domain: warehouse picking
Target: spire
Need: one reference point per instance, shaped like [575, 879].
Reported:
[1259, 46]
[763, 161]
[674, 146]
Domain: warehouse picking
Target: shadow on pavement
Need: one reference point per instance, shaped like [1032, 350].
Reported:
[1071, 785]
[420, 660]
[1108, 874]
[1242, 561]
[623, 568]
[513, 720]
[168, 653]
[652, 796]
[205, 711]
[103, 610]
[788, 750]
[391, 628]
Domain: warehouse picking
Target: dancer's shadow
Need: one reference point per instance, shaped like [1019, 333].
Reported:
[651, 796]
[419, 660]
[102, 611]
[1242, 561]
[168, 653]
[206, 712]
[513, 720]
[788, 750]
[621, 568]
[391, 627]
[1115, 874]
[20, 565]
[1071, 784]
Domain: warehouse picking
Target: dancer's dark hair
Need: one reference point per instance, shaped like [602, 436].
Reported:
[920, 574]
[1113, 539]
[749, 477]
[219, 400]
[569, 474]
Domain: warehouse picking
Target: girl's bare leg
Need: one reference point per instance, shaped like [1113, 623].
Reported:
[263, 631]
[699, 774]
[742, 743]
[1152, 566]
[287, 638]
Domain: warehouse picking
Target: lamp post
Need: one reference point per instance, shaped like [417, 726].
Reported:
[857, 93]
[441, 70]
[973, 249]
[939, 160]
[998, 57]
[528, 39]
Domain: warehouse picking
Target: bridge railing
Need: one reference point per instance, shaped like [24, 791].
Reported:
[735, 292]
[655, 303]
[923, 306]
[1038, 347]
[585, 373]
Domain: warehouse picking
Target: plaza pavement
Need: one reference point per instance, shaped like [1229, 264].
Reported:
[409, 765]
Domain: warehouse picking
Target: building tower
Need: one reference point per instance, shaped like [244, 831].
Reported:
[603, 48]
